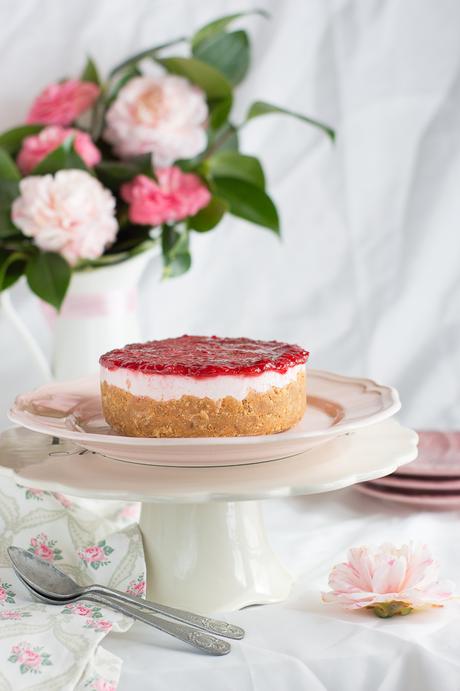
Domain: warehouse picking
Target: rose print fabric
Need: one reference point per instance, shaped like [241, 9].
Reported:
[57, 648]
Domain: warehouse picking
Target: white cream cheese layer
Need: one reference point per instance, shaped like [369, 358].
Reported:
[162, 387]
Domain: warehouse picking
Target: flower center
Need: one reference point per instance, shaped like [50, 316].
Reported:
[150, 106]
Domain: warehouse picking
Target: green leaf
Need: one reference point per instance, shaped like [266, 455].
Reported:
[176, 254]
[90, 73]
[8, 168]
[219, 111]
[259, 108]
[9, 190]
[213, 82]
[11, 140]
[248, 201]
[12, 265]
[223, 139]
[114, 173]
[48, 275]
[218, 25]
[147, 53]
[227, 52]
[63, 158]
[130, 72]
[231, 164]
[207, 218]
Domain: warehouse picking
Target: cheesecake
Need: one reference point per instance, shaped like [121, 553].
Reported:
[203, 386]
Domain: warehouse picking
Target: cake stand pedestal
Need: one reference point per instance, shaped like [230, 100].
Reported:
[214, 556]
[205, 545]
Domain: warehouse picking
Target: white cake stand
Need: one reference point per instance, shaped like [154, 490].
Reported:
[205, 544]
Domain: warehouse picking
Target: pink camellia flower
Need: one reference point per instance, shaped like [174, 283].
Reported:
[388, 579]
[36, 147]
[164, 115]
[173, 197]
[91, 554]
[70, 213]
[61, 104]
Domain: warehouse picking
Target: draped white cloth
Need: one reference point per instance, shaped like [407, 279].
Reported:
[304, 645]
[367, 275]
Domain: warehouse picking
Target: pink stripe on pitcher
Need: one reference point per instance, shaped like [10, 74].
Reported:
[93, 305]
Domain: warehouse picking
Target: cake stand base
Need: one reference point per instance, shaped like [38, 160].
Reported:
[210, 557]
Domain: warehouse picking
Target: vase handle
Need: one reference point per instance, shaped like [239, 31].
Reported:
[31, 343]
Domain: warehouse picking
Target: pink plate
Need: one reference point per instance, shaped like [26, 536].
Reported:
[410, 482]
[434, 500]
[337, 405]
[439, 455]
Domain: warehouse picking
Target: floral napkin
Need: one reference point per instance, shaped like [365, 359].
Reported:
[56, 648]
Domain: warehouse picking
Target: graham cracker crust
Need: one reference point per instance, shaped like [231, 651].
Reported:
[189, 416]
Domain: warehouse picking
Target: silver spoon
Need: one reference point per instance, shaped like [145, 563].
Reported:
[53, 583]
[203, 641]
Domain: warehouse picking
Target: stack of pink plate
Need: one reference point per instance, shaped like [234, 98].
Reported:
[432, 480]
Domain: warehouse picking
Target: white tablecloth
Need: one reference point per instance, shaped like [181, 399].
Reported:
[304, 645]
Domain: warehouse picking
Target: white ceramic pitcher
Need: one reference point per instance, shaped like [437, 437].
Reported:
[99, 313]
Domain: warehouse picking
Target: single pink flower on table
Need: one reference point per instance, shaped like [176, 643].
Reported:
[175, 196]
[36, 147]
[388, 579]
[61, 104]
[70, 213]
[164, 115]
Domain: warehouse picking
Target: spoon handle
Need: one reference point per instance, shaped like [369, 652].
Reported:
[203, 641]
[222, 628]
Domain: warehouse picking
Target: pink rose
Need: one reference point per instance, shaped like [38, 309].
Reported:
[30, 658]
[44, 552]
[62, 499]
[164, 115]
[388, 579]
[36, 147]
[91, 554]
[61, 104]
[70, 213]
[175, 196]
[103, 685]
[3, 594]
[82, 610]
[99, 624]
[10, 614]
[130, 511]
[136, 588]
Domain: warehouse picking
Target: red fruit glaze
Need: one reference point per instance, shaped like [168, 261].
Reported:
[206, 356]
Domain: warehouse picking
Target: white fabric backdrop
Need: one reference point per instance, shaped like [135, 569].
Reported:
[367, 276]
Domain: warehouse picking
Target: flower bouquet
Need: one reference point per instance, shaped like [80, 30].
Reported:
[103, 169]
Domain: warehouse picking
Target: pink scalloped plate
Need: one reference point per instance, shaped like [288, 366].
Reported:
[413, 482]
[429, 499]
[337, 406]
[439, 455]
